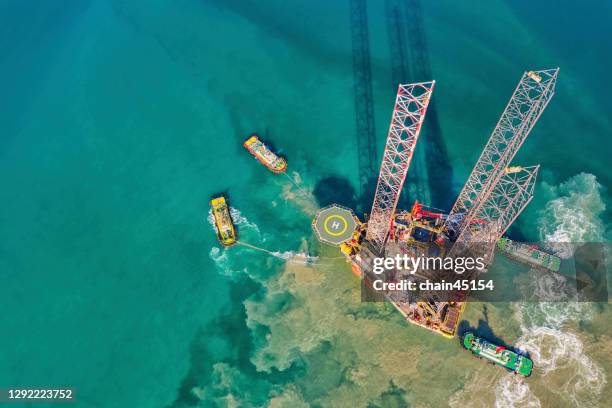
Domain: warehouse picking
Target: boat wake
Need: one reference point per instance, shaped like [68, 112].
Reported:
[221, 260]
[514, 392]
[219, 255]
[232, 268]
[573, 216]
[242, 221]
[238, 219]
[295, 257]
[558, 354]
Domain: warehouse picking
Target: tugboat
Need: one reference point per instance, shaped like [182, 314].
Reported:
[223, 221]
[499, 355]
[267, 157]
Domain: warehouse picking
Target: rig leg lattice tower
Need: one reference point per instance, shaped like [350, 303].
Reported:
[493, 216]
[530, 98]
[408, 115]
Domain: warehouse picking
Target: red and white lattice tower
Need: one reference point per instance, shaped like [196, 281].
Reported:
[527, 103]
[408, 115]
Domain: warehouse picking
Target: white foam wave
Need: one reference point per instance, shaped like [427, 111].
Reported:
[211, 219]
[242, 221]
[552, 350]
[552, 314]
[552, 287]
[224, 265]
[219, 257]
[513, 391]
[573, 216]
[555, 350]
[296, 257]
[238, 219]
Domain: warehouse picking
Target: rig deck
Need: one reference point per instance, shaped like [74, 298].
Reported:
[440, 315]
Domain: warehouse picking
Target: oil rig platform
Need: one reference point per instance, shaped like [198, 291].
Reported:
[494, 195]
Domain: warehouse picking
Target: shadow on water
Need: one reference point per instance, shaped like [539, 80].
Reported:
[367, 159]
[515, 233]
[416, 185]
[438, 166]
[439, 170]
[222, 193]
[430, 175]
[337, 190]
[485, 331]
[366, 198]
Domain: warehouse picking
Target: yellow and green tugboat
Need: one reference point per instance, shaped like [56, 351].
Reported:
[223, 221]
[267, 157]
[498, 355]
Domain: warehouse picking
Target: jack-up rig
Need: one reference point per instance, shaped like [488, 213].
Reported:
[494, 195]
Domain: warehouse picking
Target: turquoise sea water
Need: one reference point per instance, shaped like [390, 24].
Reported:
[120, 119]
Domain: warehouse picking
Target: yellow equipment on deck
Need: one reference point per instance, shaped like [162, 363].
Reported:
[513, 169]
[535, 76]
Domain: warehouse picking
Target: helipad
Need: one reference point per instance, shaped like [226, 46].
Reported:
[334, 224]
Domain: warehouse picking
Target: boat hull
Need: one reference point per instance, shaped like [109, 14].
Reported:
[264, 155]
[226, 232]
[499, 355]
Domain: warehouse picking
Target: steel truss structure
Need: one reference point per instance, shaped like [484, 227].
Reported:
[530, 98]
[408, 115]
[494, 216]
